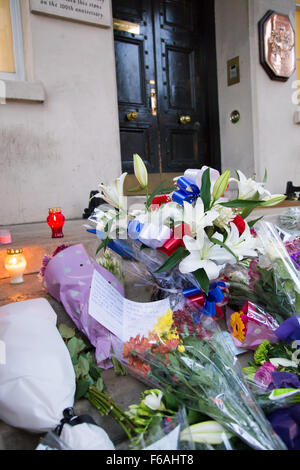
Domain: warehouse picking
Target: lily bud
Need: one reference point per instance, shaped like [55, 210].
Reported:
[208, 432]
[140, 171]
[274, 200]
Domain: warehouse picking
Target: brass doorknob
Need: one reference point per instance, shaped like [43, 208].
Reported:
[132, 116]
[185, 119]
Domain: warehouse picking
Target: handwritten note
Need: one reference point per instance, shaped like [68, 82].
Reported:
[122, 317]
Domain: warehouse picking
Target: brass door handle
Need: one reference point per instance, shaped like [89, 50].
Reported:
[132, 116]
[185, 119]
[153, 102]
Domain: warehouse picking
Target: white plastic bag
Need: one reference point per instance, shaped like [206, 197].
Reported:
[37, 380]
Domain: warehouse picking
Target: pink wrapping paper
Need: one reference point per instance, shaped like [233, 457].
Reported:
[260, 326]
[68, 278]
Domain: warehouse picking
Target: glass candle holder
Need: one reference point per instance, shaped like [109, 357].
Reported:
[56, 221]
[15, 264]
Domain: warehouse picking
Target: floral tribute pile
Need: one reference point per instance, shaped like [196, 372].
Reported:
[196, 240]
[202, 248]
[197, 227]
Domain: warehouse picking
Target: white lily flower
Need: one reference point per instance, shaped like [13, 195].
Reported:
[225, 216]
[140, 171]
[281, 361]
[204, 255]
[248, 188]
[244, 245]
[118, 223]
[153, 401]
[114, 194]
[196, 217]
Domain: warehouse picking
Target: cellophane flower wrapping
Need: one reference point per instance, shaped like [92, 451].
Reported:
[68, 277]
[271, 281]
[185, 355]
[165, 434]
[250, 325]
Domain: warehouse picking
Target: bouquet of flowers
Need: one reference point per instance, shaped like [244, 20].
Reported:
[272, 280]
[192, 230]
[185, 355]
[251, 325]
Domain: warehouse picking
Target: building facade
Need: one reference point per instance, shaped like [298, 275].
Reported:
[60, 116]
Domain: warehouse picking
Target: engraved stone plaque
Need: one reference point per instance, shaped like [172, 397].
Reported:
[96, 12]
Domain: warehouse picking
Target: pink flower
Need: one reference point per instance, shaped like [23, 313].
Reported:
[263, 375]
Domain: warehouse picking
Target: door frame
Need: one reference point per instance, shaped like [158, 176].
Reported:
[212, 110]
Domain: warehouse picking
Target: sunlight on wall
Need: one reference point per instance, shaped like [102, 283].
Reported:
[7, 62]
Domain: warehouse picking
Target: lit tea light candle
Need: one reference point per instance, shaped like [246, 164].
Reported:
[56, 222]
[15, 264]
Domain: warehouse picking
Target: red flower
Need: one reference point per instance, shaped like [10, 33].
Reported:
[159, 200]
[239, 222]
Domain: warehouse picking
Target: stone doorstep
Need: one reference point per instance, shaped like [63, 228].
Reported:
[36, 241]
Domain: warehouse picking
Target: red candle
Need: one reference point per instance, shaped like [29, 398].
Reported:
[56, 221]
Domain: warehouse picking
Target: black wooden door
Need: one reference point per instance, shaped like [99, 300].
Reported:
[167, 87]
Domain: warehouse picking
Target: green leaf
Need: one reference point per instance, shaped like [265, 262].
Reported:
[82, 388]
[223, 245]
[95, 372]
[202, 279]
[157, 191]
[205, 189]
[100, 385]
[84, 365]
[265, 176]
[253, 222]
[246, 212]
[65, 331]
[177, 256]
[75, 346]
[221, 185]
[241, 203]
[103, 244]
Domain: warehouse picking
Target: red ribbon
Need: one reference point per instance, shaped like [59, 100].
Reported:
[175, 241]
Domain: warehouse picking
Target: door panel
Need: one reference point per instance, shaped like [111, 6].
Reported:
[173, 58]
[135, 66]
[130, 71]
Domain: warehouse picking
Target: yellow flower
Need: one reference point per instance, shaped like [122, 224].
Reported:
[181, 348]
[237, 326]
[164, 324]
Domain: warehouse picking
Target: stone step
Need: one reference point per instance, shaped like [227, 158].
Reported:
[36, 241]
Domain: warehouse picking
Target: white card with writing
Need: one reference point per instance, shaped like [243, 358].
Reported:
[124, 318]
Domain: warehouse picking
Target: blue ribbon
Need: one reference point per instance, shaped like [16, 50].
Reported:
[134, 229]
[215, 295]
[121, 247]
[187, 191]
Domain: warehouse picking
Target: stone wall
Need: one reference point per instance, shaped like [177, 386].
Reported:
[53, 153]
[266, 136]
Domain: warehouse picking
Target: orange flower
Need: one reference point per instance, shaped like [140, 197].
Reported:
[142, 346]
[237, 326]
[129, 346]
[139, 365]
